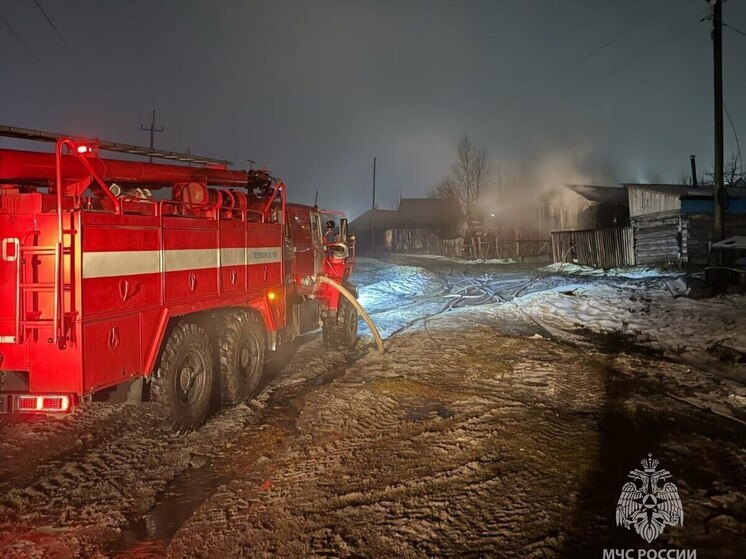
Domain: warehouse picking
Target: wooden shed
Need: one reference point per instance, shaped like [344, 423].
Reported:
[669, 224]
[673, 224]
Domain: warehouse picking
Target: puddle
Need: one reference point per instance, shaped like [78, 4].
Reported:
[148, 537]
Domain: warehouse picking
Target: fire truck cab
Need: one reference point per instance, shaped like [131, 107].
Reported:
[173, 279]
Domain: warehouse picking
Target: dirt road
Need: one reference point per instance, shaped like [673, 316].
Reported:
[470, 437]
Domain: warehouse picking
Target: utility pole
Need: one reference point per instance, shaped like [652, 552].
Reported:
[373, 214]
[717, 52]
[152, 129]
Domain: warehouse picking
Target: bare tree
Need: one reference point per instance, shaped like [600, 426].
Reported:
[733, 175]
[445, 188]
[470, 175]
[467, 181]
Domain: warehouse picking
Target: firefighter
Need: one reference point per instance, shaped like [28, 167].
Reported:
[330, 236]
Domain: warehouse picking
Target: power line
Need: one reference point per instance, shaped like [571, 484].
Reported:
[735, 135]
[17, 36]
[51, 23]
[632, 56]
[639, 53]
[590, 54]
[621, 34]
[734, 29]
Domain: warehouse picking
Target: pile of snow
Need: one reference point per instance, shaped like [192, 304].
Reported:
[706, 332]
[627, 307]
[476, 262]
[635, 272]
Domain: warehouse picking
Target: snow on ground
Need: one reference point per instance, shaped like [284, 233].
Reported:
[474, 434]
[394, 295]
[706, 332]
[632, 272]
[607, 310]
[630, 306]
[460, 261]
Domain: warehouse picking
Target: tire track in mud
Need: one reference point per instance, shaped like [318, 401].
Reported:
[408, 456]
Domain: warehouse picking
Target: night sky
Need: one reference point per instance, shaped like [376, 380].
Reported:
[570, 91]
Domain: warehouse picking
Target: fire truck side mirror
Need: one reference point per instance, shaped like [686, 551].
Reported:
[343, 229]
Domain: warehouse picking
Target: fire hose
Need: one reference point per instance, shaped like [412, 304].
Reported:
[354, 302]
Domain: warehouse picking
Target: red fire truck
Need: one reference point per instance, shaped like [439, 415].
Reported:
[172, 278]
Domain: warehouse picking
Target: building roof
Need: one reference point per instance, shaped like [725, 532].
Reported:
[413, 213]
[677, 189]
[428, 213]
[381, 218]
[617, 194]
[614, 194]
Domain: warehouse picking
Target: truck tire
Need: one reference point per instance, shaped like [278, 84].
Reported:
[347, 320]
[241, 341]
[342, 332]
[183, 383]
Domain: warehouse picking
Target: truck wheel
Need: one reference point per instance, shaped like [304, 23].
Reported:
[347, 324]
[183, 382]
[343, 334]
[241, 340]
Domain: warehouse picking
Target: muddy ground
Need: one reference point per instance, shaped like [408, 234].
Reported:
[471, 437]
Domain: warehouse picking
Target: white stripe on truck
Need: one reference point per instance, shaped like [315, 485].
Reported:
[190, 259]
[130, 263]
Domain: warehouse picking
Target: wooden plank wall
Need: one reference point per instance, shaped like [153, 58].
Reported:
[660, 238]
[412, 240]
[453, 248]
[643, 202]
[601, 248]
[699, 233]
[675, 238]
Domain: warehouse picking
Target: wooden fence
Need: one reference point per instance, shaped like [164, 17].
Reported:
[601, 248]
[518, 249]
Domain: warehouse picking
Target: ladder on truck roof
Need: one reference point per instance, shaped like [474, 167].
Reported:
[41, 136]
